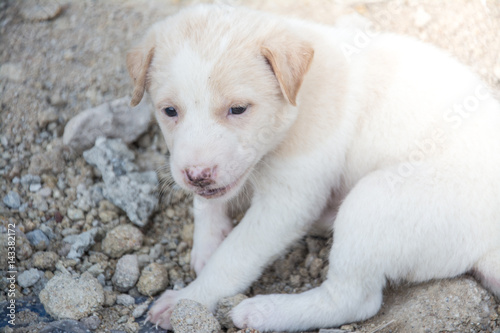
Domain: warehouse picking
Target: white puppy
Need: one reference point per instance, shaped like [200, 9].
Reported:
[396, 146]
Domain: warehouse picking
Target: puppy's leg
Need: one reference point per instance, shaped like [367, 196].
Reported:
[415, 232]
[277, 218]
[487, 270]
[324, 225]
[211, 226]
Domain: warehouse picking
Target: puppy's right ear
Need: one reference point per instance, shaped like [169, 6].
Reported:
[290, 60]
[138, 62]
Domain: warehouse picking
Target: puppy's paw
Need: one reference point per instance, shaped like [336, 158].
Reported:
[259, 312]
[160, 312]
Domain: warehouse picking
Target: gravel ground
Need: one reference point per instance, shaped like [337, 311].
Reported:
[79, 252]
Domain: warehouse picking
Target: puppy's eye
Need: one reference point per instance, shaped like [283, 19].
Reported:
[237, 109]
[170, 111]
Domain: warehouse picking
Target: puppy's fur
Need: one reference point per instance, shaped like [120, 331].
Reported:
[396, 147]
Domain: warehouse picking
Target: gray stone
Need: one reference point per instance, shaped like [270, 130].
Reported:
[35, 187]
[45, 260]
[154, 278]
[12, 200]
[29, 278]
[75, 214]
[224, 308]
[122, 239]
[96, 270]
[115, 119]
[45, 192]
[48, 231]
[23, 247]
[132, 191]
[38, 239]
[125, 300]
[192, 317]
[30, 179]
[40, 203]
[80, 243]
[65, 326]
[65, 297]
[92, 322]
[126, 273]
[140, 309]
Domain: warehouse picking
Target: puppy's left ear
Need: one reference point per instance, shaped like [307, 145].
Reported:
[290, 60]
[138, 62]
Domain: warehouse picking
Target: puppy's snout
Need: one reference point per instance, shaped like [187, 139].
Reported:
[200, 176]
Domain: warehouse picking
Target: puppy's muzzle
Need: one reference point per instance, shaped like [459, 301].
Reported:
[200, 176]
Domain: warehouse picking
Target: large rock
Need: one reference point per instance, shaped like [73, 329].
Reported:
[65, 297]
[132, 191]
[457, 305]
[115, 119]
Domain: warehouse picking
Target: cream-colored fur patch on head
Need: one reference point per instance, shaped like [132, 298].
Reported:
[207, 60]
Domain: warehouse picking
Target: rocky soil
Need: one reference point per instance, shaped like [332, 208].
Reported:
[98, 231]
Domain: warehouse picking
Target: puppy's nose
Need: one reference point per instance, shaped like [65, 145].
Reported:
[200, 176]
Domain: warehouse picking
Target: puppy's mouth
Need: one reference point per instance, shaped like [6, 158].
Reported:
[212, 193]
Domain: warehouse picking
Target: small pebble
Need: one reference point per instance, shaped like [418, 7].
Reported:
[45, 260]
[38, 239]
[122, 239]
[75, 214]
[224, 308]
[154, 278]
[35, 187]
[140, 309]
[12, 200]
[29, 278]
[30, 179]
[45, 192]
[125, 300]
[92, 322]
[126, 273]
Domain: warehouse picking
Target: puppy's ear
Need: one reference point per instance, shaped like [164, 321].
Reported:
[138, 62]
[290, 60]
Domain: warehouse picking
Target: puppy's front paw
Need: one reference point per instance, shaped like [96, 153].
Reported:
[160, 312]
[257, 312]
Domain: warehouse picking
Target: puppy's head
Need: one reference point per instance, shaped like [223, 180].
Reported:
[225, 84]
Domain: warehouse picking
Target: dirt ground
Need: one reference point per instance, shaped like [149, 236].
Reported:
[76, 60]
